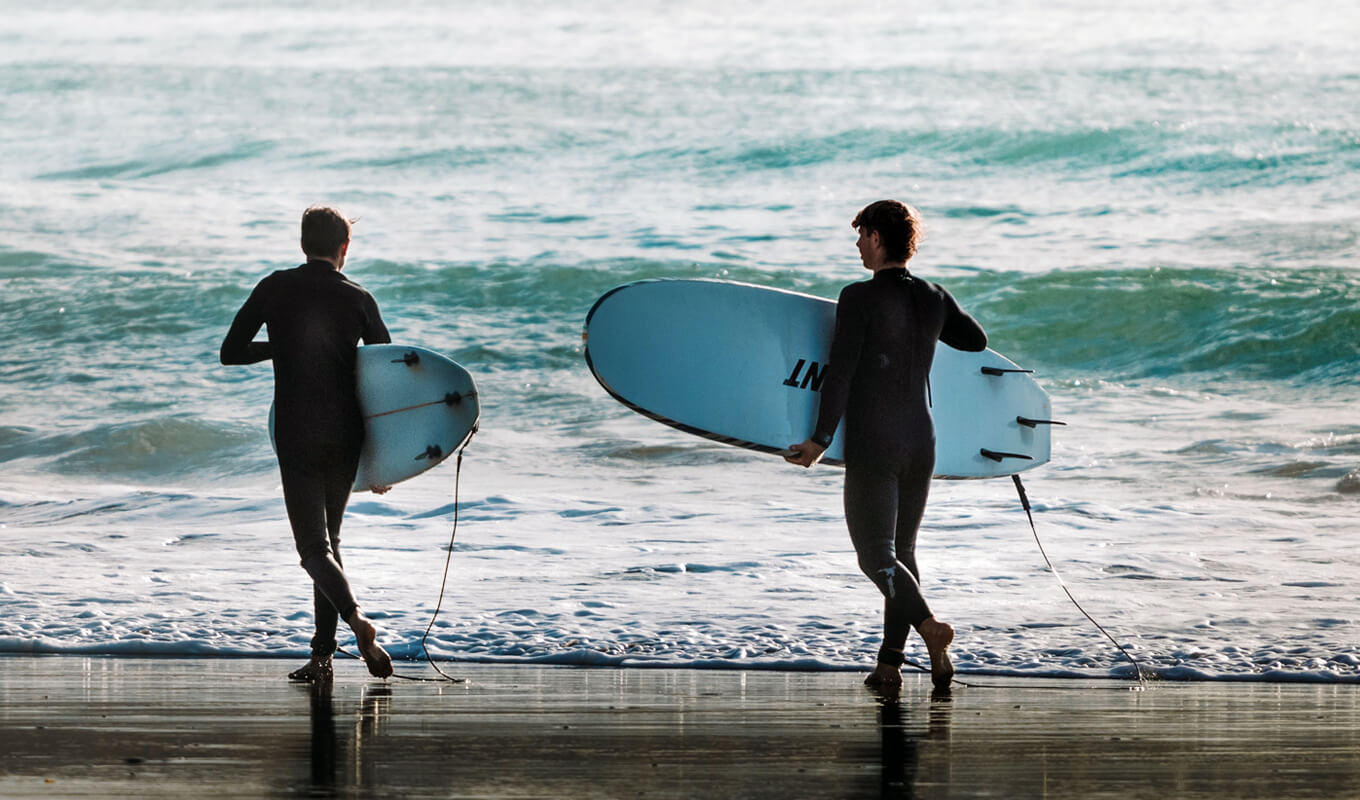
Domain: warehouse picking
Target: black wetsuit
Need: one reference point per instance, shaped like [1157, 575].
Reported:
[315, 317]
[886, 330]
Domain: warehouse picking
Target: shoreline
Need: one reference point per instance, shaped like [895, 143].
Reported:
[74, 726]
[589, 659]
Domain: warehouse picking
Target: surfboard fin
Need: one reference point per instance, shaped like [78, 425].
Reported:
[1030, 423]
[433, 452]
[995, 456]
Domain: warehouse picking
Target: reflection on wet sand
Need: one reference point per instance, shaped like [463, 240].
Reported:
[902, 738]
[323, 738]
[370, 719]
[73, 726]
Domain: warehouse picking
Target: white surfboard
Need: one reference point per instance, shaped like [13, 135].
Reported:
[743, 365]
[419, 408]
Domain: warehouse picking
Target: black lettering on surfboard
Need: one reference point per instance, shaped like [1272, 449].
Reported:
[811, 379]
[814, 377]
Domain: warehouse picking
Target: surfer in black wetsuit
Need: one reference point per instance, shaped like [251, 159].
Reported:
[315, 318]
[878, 379]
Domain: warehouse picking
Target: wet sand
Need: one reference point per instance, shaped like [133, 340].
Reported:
[121, 727]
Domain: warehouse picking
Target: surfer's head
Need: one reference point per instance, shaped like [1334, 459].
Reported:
[898, 226]
[325, 234]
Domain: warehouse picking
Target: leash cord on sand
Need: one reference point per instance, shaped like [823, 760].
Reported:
[443, 583]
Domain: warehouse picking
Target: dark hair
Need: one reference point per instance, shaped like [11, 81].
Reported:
[324, 230]
[897, 224]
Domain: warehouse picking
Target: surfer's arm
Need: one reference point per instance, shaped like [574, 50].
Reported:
[375, 330]
[846, 344]
[835, 389]
[960, 330]
[238, 347]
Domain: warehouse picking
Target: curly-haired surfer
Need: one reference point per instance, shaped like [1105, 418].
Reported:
[878, 380]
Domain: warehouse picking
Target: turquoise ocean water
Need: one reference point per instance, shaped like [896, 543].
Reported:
[1157, 208]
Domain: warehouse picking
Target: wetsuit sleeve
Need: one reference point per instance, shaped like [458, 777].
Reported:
[960, 330]
[846, 344]
[375, 331]
[238, 347]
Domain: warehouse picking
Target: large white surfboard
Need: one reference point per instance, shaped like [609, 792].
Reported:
[743, 365]
[419, 408]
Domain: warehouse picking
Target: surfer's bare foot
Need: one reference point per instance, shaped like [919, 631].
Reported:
[377, 660]
[884, 676]
[938, 636]
[318, 670]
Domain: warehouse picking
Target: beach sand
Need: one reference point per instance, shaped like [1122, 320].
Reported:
[116, 727]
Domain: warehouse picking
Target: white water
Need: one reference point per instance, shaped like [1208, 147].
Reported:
[1154, 207]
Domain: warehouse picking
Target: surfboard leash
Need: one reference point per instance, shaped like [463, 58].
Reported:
[1024, 502]
[443, 583]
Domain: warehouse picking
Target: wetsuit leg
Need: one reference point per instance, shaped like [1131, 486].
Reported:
[327, 619]
[871, 512]
[309, 498]
[913, 488]
[337, 488]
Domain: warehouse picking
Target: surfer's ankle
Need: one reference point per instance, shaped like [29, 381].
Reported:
[938, 636]
[317, 670]
[931, 628]
[362, 626]
[365, 632]
[884, 675]
[377, 660]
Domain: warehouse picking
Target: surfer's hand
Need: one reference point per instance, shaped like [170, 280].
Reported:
[380, 489]
[805, 454]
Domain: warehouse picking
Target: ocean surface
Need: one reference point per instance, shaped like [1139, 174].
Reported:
[1155, 206]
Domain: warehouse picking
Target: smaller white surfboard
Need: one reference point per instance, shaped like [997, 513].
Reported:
[743, 365]
[419, 408]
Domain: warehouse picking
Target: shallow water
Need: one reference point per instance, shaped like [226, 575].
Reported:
[1154, 210]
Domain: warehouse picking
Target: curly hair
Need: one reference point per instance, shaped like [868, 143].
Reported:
[898, 226]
